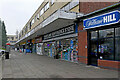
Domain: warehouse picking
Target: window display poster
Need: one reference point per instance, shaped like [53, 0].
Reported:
[71, 44]
[51, 52]
[39, 48]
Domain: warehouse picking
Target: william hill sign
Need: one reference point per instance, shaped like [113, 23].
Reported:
[102, 20]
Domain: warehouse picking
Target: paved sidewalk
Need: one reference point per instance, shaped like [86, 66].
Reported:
[34, 66]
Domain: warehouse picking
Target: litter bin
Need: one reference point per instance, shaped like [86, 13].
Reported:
[6, 55]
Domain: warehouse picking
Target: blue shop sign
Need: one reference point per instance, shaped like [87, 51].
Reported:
[102, 20]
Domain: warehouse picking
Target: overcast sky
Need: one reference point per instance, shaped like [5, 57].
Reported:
[16, 13]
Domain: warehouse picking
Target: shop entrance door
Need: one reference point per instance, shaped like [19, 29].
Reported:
[92, 59]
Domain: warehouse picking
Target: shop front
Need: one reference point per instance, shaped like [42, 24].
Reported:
[69, 49]
[62, 43]
[104, 39]
[29, 46]
[49, 49]
[33, 46]
[39, 45]
[22, 46]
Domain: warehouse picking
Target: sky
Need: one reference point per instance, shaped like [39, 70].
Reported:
[16, 13]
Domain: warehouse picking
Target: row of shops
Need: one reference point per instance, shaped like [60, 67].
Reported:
[60, 44]
[93, 39]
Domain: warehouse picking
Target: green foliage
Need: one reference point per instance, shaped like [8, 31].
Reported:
[2, 49]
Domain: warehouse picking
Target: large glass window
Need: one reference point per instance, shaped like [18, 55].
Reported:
[106, 48]
[117, 44]
[106, 33]
[106, 44]
[94, 34]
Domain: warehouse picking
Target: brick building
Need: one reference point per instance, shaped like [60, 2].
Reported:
[98, 42]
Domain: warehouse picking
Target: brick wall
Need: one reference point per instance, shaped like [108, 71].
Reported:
[109, 64]
[82, 42]
[88, 7]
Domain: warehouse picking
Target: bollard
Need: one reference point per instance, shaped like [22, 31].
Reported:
[6, 55]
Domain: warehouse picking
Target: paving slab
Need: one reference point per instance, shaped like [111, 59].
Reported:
[32, 65]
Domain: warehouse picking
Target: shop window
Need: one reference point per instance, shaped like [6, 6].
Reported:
[117, 44]
[106, 33]
[117, 31]
[94, 34]
[106, 44]
[117, 47]
[106, 49]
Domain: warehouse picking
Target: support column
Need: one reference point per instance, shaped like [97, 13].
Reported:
[82, 44]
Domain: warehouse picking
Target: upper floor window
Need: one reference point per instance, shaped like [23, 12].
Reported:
[22, 32]
[46, 6]
[30, 25]
[19, 35]
[26, 29]
[37, 16]
[33, 21]
[52, 2]
[42, 11]
[7, 37]
[12, 38]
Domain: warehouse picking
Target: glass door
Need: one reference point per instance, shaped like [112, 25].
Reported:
[93, 48]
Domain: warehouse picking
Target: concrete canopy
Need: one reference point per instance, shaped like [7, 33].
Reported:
[57, 20]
